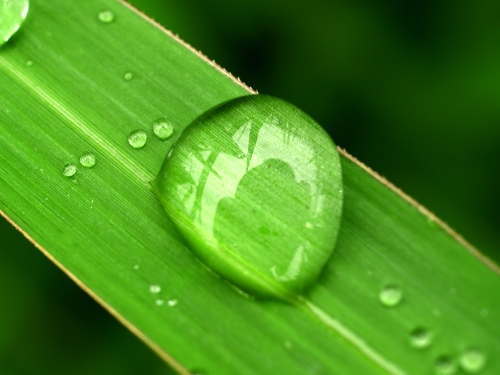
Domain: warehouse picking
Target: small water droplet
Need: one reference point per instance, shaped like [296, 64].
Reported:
[87, 160]
[128, 76]
[172, 302]
[137, 139]
[29, 63]
[155, 289]
[288, 344]
[472, 361]
[273, 161]
[69, 170]
[484, 313]
[12, 15]
[136, 267]
[436, 312]
[106, 16]
[390, 295]
[163, 128]
[445, 365]
[453, 291]
[159, 302]
[421, 338]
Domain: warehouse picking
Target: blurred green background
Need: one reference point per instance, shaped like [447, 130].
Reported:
[410, 88]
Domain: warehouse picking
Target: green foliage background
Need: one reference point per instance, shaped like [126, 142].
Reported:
[410, 88]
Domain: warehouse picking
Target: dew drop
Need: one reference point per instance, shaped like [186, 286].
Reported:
[136, 267]
[12, 15]
[390, 295]
[274, 164]
[159, 302]
[163, 128]
[288, 344]
[69, 170]
[472, 361]
[137, 139]
[106, 16]
[29, 63]
[445, 365]
[172, 302]
[155, 289]
[421, 338]
[87, 160]
[128, 76]
[484, 313]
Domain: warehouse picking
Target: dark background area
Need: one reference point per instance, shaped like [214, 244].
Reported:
[412, 89]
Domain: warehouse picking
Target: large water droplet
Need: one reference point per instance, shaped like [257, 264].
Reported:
[87, 160]
[69, 170]
[12, 15]
[472, 360]
[390, 295]
[137, 139]
[421, 338]
[163, 128]
[445, 365]
[106, 16]
[254, 187]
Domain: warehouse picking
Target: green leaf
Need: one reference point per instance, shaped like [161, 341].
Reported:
[92, 80]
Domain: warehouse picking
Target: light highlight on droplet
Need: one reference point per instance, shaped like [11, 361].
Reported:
[155, 289]
[128, 76]
[12, 15]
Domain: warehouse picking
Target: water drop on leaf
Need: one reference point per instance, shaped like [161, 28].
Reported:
[137, 139]
[390, 295]
[106, 16]
[88, 160]
[254, 186]
[421, 338]
[69, 170]
[12, 15]
[163, 128]
[472, 361]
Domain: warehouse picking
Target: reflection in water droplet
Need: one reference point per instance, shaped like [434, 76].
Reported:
[155, 289]
[88, 160]
[137, 139]
[162, 128]
[29, 63]
[390, 295]
[421, 338]
[12, 15]
[69, 170]
[106, 16]
[445, 365]
[136, 267]
[172, 302]
[288, 344]
[159, 302]
[128, 76]
[256, 157]
[472, 361]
